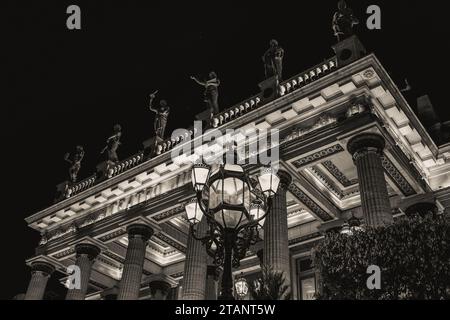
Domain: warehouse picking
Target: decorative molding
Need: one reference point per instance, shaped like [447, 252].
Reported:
[305, 238]
[397, 177]
[115, 234]
[327, 182]
[317, 156]
[323, 121]
[177, 275]
[336, 173]
[61, 255]
[171, 242]
[169, 213]
[114, 256]
[109, 263]
[307, 201]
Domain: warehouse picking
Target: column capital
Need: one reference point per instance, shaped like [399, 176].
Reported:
[41, 266]
[366, 142]
[92, 251]
[141, 230]
[285, 179]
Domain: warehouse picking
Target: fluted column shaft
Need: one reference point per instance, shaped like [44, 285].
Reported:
[195, 266]
[86, 254]
[40, 273]
[276, 241]
[367, 152]
[130, 284]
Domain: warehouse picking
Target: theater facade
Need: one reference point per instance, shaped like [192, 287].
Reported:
[349, 146]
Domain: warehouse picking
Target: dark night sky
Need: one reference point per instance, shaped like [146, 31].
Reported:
[70, 87]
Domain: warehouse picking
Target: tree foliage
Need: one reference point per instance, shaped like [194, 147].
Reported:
[413, 255]
[269, 286]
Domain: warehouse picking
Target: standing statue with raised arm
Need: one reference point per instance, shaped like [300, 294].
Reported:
[344, 21]
[273, 60]
[75, 162]
[211, 92]
[112, 144]
[161, 115]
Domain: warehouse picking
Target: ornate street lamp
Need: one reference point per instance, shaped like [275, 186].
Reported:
[235, 207]
[241, 286]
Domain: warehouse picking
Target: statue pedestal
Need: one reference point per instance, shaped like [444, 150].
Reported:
[349, 50]
[150, 146]
[102, 170]
[269, 88]
[205, 117]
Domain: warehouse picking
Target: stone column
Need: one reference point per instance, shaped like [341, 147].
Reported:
[40, 273]
[367, 151]
[276, 242]
[194, 280]
[212, 278]
[130, 284]
[86, 254]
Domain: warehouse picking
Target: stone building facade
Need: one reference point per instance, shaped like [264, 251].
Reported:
[350, 145]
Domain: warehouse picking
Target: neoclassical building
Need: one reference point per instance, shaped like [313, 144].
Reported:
[350, 145]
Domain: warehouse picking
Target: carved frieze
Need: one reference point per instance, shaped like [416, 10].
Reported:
[309, 203]
[319, 155]
[338, 175]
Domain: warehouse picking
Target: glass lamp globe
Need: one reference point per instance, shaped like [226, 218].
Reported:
[193, 212]
[268, 182]
[257, 212]
[200, 176]
[229, 196]
[241, 286]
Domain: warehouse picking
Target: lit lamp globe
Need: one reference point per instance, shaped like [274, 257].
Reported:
[346, 229]
[241, 286]
[354, 224]
[229, 196]
[193, 212]
[200, 176]
[268, 182]
[258, 213]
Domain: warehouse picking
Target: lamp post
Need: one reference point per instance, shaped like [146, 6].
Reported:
[235, 207]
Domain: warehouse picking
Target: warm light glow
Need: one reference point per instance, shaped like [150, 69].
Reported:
[241, 287]
[200, 175]
[193, 212]
[230, 218]
[346, 229]
[257, 212]
[268, 182]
